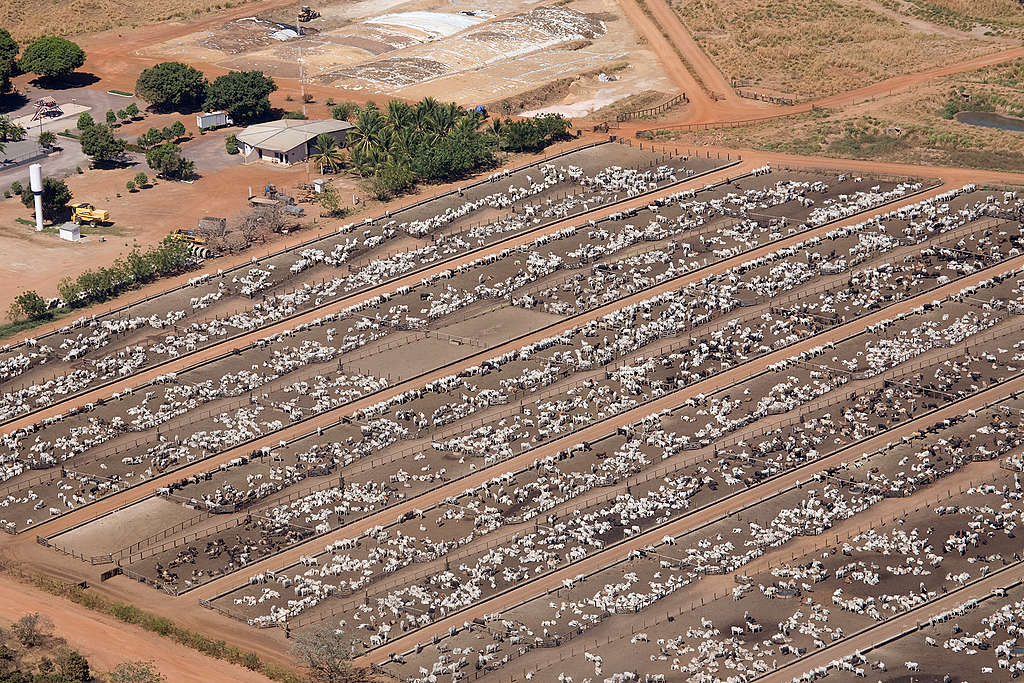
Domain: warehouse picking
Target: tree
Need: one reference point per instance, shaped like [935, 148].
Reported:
[243, 94]
[69, 291]
[392, 178]
[167, 161]
[262, 221]
[8, 54]
[172, 85]
[85, 121]
[6, 71]
[27, 305]
[52, 57]
[141, 180]
[56, 196]
[132, 110]
[10, 130]
[151, 138]
[47, 139]
[327, 153]
[136, 672]
[101, 145]
[32, 629]
[231, 144]
[130, 186]
[74, 668]
[328, 656]
[111, 117]
[343, 111]
[122, 115]
[330, 202]
[177, 130]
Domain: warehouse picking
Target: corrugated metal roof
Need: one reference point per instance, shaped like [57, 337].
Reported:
[287, 134]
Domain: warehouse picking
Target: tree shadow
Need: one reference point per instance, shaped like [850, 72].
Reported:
[79, 79]
[12, 101]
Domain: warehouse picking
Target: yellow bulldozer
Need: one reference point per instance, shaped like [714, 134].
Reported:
[189, 236]
[84, 212]
[307, 13]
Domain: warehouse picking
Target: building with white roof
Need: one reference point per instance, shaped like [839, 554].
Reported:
[288, 141]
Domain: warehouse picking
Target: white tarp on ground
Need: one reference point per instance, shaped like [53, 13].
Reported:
[434, 24]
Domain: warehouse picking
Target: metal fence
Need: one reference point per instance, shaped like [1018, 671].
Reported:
[651, 111]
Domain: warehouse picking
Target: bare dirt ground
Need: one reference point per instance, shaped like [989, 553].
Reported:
[107, 642]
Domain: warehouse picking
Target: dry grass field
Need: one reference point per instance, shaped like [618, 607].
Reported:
[87, 16]
[909, 127]
[812, 48]
[995, 16]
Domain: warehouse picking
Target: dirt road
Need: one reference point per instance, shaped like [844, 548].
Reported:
[106, 642]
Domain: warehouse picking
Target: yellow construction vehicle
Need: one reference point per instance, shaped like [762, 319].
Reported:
[84, 212]
[307, 13]
[189, 236]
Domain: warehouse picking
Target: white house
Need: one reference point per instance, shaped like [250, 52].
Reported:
[288, 141]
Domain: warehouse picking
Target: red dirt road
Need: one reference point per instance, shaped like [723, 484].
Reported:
[106, 642]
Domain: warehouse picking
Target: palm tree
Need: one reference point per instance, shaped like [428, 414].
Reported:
[327, 153]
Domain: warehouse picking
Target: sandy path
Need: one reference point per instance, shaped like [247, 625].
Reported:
[107, 642]
[706, 70]
[724, 113]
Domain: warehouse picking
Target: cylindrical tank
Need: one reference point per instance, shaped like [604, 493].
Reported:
[35, 179]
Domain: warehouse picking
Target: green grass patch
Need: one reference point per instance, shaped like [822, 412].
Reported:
[25, 221]
[122, 93]
[10, 329]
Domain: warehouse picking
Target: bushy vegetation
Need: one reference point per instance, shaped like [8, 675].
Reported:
[8, 60]
[56, 196]
[243, 94]
[434, 142]
[52, 57]
[172, 85]
[168, 162]
[170, 257]
[157, 136]
[30, 653]
[27, 306]
[130, 614]
[101, 145]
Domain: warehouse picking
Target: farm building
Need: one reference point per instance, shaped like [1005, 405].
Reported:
[288, 141]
